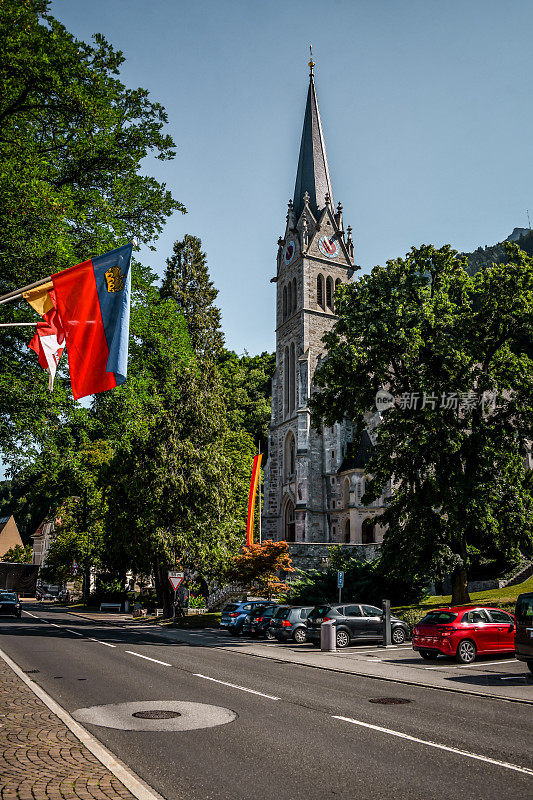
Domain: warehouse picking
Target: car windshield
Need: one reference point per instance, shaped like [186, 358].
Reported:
[7, 596]
[319, 611]
[524, 609]
[281, 612]
[439, 616]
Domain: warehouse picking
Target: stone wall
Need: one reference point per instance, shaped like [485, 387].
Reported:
[310, 555]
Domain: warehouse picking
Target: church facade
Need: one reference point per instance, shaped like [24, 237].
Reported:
[314, 481]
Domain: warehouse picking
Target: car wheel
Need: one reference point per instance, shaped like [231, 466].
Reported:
[299, 636]
[269, 635]
[427, 654]
[466, 652]
[343, 639]
[398, 636]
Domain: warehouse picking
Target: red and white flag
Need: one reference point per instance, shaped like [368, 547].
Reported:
[49, 340]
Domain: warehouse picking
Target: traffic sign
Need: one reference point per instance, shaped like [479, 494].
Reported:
[340, 578]
[175, 578]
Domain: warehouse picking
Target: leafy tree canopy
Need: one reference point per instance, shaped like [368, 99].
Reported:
[19, 554]
[72, 141]
[259, 566]
[422, 328]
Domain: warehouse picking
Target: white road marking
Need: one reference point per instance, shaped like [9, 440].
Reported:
[164, 663]
[74, 632]
[234, 686]
[465, 753]
[31, 615]
[513, 678]
[99, 642]
[475, 664]
[55, 626]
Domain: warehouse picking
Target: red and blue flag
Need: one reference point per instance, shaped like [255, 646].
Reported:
[93, 301]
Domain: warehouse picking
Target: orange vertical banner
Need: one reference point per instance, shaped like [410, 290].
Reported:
[251, 499]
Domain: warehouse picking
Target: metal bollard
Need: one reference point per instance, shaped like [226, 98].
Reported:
[328, 637]
[387, 642]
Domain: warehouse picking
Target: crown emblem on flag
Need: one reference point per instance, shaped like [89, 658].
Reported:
[114, 279]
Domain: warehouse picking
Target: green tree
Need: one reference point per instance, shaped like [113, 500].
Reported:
[72, 142]
[248, 386]
[19, 554]
[187, 282]
[423, 327]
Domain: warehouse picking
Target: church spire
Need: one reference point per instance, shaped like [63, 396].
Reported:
[313, 172]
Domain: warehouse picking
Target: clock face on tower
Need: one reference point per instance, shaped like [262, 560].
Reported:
[288, 253]
[328, 247]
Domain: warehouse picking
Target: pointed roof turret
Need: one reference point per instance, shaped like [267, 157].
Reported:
[313, 172]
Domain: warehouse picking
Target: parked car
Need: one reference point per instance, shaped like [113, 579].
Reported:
[10, 604]
[523, 642]
[289, 622]
[464, 632]
[354, 621]
[260, 619]
[233, 614]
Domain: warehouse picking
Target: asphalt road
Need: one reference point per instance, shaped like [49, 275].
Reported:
[298, 733]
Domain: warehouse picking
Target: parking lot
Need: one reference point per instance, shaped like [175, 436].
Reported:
[501, 676]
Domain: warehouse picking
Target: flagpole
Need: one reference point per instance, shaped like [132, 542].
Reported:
[17, 324]
[16, 293]
[259, 486]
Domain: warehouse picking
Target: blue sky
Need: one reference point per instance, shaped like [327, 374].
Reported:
[426, 109]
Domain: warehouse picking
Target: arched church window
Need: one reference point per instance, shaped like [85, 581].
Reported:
[289, 298]
[367, 531]
[286, 381]
[346, 493]
[292, 379]
[284, 302]
[329, 292]
[347, 531]
[294, 295]
[289, 457]
[320, 290]
[290, 532]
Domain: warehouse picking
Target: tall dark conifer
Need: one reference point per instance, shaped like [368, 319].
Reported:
[187, 282]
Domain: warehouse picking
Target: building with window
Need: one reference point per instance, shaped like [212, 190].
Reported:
[314, 481]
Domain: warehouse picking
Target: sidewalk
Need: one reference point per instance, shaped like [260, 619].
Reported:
[40, 759]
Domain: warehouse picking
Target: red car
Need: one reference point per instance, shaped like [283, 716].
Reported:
[464, 632]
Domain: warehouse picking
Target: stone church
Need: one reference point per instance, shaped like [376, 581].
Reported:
[314, 482]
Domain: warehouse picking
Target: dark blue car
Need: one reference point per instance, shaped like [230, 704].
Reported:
[233, 614]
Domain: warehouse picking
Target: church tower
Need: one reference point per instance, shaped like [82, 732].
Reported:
[315, 255]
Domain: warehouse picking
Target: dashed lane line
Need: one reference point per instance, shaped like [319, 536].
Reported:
[234, 686]
[107, 644]
[465, 753]
[76, 633]
[155, 660]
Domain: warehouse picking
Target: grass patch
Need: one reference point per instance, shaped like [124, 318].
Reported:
[504, 598]
[195, 621]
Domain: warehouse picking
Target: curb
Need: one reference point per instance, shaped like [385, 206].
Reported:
[128, 778]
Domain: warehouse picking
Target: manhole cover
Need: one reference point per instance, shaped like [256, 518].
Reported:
[156, 714]
[389, 701]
